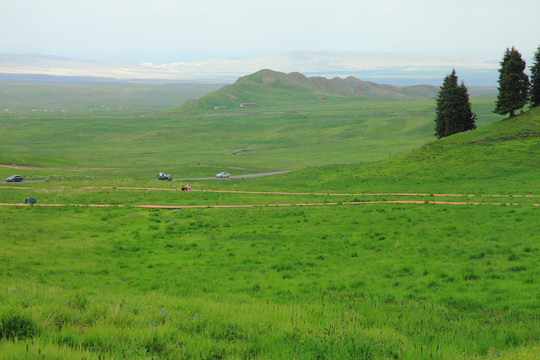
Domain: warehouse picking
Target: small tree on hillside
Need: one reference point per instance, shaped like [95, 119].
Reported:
[513, 84]
[535, 79]
[454, 112]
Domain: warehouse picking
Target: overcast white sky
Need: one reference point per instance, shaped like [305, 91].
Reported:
[163, 31]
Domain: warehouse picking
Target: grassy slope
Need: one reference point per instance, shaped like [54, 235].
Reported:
[500, 158]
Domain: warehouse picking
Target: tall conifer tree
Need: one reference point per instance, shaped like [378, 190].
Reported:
[454, 112]
[467, 117]
[513, 84]
[535, 79]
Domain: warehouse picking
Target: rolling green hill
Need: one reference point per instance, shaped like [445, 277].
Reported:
[268, 88]
[501, 157]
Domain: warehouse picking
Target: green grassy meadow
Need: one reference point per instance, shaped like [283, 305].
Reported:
[137, 147]
[345, 282]
[341, 279]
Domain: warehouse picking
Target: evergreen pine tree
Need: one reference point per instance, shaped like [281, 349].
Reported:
[467, 117]
[535, 79]
[453, 112]
[513, 84]
[444, 108]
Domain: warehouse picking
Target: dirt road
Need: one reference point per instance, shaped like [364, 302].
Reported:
[406, 202]
[157, 206]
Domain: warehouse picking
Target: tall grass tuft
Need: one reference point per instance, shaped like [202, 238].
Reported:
[15, 325]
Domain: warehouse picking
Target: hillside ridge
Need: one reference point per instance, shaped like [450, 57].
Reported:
[336, 85]
[269, 88]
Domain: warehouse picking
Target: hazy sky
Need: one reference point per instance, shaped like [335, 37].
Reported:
[182, 30]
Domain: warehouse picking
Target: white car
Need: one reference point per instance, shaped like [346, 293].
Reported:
[223, 175]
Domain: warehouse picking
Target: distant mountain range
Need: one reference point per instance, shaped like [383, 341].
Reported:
[266, 89]
[387, 68]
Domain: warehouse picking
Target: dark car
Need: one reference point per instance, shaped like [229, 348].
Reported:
[15, 178]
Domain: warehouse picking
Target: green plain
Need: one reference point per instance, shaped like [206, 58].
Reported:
[369, 281]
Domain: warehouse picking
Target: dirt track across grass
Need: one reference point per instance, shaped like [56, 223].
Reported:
[297, 204]
[409, 202]
[319, 194]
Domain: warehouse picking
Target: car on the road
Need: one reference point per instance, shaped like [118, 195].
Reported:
[162, 176]
[223, 175]
[15, 178]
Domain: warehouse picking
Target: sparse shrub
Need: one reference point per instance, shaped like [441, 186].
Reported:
[95, 341]
[17, 326]
[79, 302]
[357, 284]
[406, 270]
[470, 275]
[214, 353]
[282, 267]
[155, 344]
[68, 338]
[231, 332]
[512, 338]
[513, 257]
[477, 256]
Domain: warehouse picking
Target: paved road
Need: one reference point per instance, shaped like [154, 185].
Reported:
[245, 176]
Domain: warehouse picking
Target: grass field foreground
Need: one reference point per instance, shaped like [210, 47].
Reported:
[347, 282]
